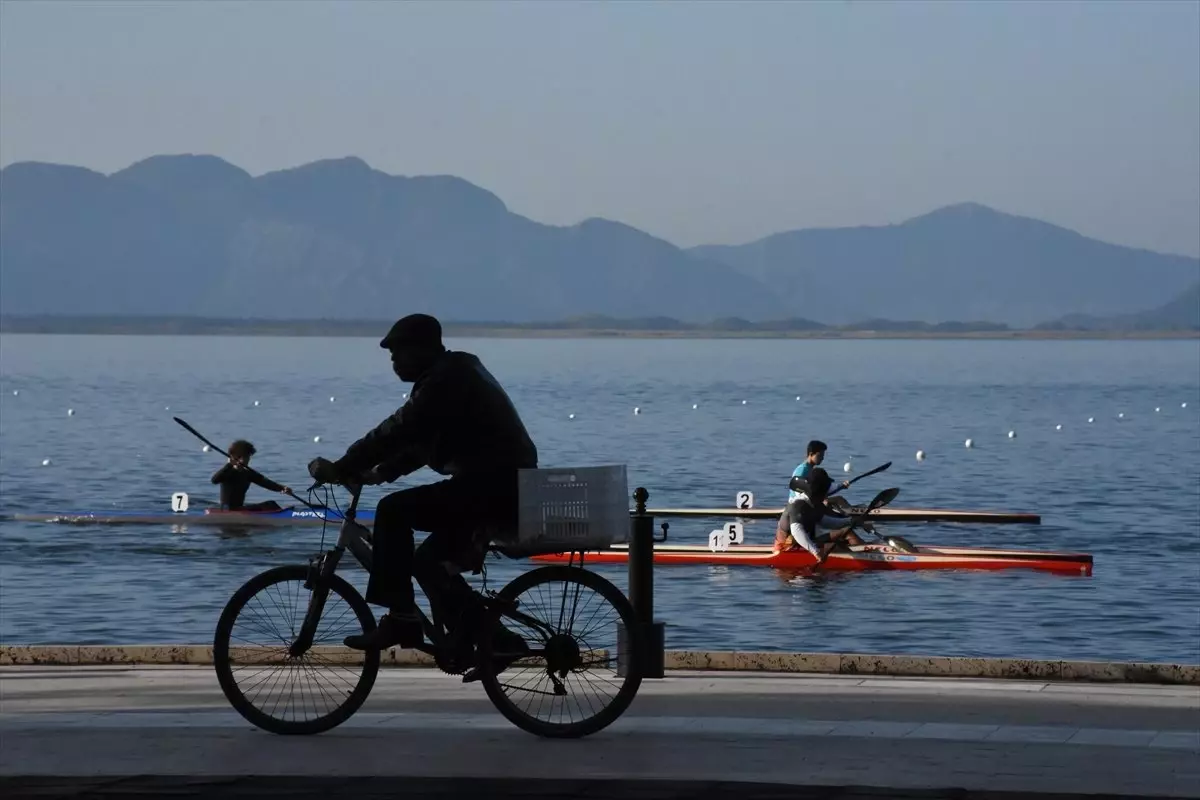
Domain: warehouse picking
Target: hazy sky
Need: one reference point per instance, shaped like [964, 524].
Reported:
[699, 122]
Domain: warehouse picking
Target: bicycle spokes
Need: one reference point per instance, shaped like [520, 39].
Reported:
[569, 674]
[283, 671]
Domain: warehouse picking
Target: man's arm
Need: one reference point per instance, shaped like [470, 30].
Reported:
[404, 432]
[264, 481]
[394, 433]
[220, 475]
[398, 466]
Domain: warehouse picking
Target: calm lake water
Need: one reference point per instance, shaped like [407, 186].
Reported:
[1126, 489]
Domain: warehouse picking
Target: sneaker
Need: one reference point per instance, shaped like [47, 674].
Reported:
[393, 629]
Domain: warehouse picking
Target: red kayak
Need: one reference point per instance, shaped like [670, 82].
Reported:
[863, 557]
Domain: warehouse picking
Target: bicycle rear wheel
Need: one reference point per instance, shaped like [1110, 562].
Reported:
[576, 643]
[287, 694]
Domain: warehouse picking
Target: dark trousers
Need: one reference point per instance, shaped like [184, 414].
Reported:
[451, 511]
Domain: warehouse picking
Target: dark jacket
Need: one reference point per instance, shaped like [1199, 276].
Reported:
[457, 421]
[234, 483]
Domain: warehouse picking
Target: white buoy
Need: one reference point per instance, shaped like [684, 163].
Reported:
[969, 443]
[1091, 419]
[1157, 409]
[332, 399]
[45, 462]
[920, 455]
[743, 402]
[204, 449]
[1183, 405]
[797, 397]
[1058, 427]
[255, 402]
[570, 416]
[1121, 415]
[404, 396]
[316, 438]
[166, 408]
[70, 412]
[846, 467]
[636, 410]
[695, 406]
[16, 392]
[1012, 434]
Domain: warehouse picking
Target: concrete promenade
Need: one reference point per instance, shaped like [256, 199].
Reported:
[111, 730]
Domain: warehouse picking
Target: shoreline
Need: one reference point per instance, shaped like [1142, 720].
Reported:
[675, 660]
[468, 332]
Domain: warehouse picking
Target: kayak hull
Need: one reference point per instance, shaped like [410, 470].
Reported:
[870, 556]
[859, 559]
[878, 515]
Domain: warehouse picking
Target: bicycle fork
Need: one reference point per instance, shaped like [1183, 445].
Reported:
[320, 568]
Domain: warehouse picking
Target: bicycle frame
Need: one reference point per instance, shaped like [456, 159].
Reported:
[357, 538]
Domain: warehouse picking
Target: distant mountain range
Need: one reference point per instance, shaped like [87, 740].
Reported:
[960, 262]
[196, 236]
[1182, 313]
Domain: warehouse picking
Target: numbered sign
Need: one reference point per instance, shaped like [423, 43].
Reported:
[744, 500]
[718, 540]
[722, 538]
[179, 502]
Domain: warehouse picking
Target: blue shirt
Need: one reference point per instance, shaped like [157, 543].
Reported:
[799, 472]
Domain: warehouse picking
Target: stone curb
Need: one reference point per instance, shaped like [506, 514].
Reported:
[725, 661]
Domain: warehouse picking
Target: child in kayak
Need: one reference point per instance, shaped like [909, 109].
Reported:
[813, 457]
[797, 528]
[236, 476]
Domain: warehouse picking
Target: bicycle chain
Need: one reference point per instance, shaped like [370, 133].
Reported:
[454, 661]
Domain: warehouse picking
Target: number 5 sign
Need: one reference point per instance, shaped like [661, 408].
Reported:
[721, 538]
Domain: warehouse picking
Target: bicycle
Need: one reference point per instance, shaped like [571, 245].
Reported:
[561, 510]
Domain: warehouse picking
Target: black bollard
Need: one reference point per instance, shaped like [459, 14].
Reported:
[641, 587]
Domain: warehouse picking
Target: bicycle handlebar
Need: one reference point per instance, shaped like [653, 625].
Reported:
[354, 487]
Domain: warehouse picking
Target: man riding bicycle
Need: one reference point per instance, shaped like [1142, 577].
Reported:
[459, 422]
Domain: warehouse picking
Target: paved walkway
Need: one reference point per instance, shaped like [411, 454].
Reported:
[917, 737]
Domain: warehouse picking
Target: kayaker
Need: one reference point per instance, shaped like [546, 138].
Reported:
[797, 528]
[236, 476]
[813, 457]
[459, 422]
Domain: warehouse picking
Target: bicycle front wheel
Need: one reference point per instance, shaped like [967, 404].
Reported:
[569, 685]
[275, 690]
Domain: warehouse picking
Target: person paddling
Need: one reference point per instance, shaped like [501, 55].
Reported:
[236, 476]
[797, 528]
[814, 456]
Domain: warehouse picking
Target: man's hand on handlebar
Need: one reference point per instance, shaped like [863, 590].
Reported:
[322, 470]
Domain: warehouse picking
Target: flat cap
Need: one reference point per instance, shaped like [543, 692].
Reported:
[415, 329]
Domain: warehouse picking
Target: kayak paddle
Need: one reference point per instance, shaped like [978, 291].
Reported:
[216, 449]
[881, 499]
[880, 468]
[200, 436]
